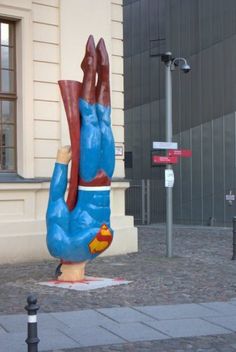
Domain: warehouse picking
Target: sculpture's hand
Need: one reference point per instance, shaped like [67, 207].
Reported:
[64, 155]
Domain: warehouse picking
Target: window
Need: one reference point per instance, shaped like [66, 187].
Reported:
[7, 96]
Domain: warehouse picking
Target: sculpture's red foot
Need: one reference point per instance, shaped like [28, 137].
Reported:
[90, 59]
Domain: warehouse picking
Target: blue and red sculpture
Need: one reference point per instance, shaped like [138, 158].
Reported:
[79, 230]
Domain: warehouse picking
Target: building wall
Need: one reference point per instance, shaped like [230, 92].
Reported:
[51, 38]
[203, 102]
[46, 65]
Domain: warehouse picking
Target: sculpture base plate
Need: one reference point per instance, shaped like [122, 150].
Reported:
[89, 283]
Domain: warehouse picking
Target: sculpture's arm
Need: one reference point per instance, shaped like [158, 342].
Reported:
[59, 178]
[58, 212]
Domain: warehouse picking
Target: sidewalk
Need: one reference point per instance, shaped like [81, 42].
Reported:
[161, 310]
[109, 326]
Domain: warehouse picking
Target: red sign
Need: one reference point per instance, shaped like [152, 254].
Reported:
[186, 153]
[164, 159]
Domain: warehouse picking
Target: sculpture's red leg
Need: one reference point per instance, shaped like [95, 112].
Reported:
[103, 84]
[89, 67]
[70, 91]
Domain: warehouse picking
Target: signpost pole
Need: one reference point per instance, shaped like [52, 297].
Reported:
[169, 193]
[170, 64]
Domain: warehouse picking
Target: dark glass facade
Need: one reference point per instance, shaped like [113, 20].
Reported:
[204, 102]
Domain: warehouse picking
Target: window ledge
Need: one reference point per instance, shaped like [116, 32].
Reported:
[14, 178]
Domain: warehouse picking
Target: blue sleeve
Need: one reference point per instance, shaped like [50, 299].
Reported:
[58, 182]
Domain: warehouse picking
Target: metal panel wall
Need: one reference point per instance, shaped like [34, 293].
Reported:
[229, 157]
[204, 104]
[207, 173]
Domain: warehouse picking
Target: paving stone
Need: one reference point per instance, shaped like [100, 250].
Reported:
[18, 323]
[51, 339]
[224, 308]
[92, 336]
[54, 339]
[177, 311]
[14, 323]
[13, 342]
[213, 343]
[125, 315]
[187, 327]
[2, 330]
[135, 332]
[81, 318]
[228, 322]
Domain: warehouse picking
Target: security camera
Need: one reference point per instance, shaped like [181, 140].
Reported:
[182, 63]
[185, 68]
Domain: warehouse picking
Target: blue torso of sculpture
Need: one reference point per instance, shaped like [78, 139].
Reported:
[71, 232]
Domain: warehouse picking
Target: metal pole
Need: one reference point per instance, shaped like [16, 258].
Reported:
[234, 238]
[148, 203]
[32, 338]
[143, 202]
[169, 200]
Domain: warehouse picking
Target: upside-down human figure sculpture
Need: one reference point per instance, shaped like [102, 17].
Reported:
[80, 230]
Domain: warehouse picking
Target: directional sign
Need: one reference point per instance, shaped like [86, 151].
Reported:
[186, 153]
[169, 178]
[229, 197]
[164, 145]
[156, 159]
